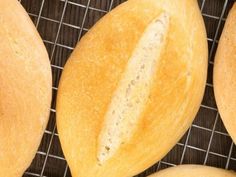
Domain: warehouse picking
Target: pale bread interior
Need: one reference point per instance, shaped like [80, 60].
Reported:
[132, 93]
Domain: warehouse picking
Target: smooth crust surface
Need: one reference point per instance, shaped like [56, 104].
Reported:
[194, 171]
[25, 89]
[93, 73]
[225, 74]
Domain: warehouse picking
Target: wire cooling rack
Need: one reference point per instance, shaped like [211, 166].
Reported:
[61, 23]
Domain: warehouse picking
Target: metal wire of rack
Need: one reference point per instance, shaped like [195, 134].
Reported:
[61, 23]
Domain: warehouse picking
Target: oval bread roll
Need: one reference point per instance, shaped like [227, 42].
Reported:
[194, 171]
[132, 87]
[25, 89]
[225, 74]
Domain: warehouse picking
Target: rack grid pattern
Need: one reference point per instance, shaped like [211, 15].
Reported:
[61, 23]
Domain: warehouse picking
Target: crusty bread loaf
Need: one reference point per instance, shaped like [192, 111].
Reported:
[194, 171]
[25, 89]
[132, 87]
[225, 74]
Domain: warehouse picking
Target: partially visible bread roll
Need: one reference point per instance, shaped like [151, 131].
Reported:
[25, 89]
[132, 87]
[225, 74]
[194, 171]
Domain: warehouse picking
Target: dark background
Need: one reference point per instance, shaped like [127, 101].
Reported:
[62, 22]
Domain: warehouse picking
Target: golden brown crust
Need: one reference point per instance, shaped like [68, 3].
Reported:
[225, 74]
[93, 73]
[194, 171]
[25, 89]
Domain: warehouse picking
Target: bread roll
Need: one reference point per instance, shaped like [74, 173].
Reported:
[25, 89]
[194, 171]
[132, 87]
[225, 74]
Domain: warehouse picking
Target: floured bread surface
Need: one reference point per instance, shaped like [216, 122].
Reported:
[132, 87]
[194, 171]
[25, 89]
[225, 74]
